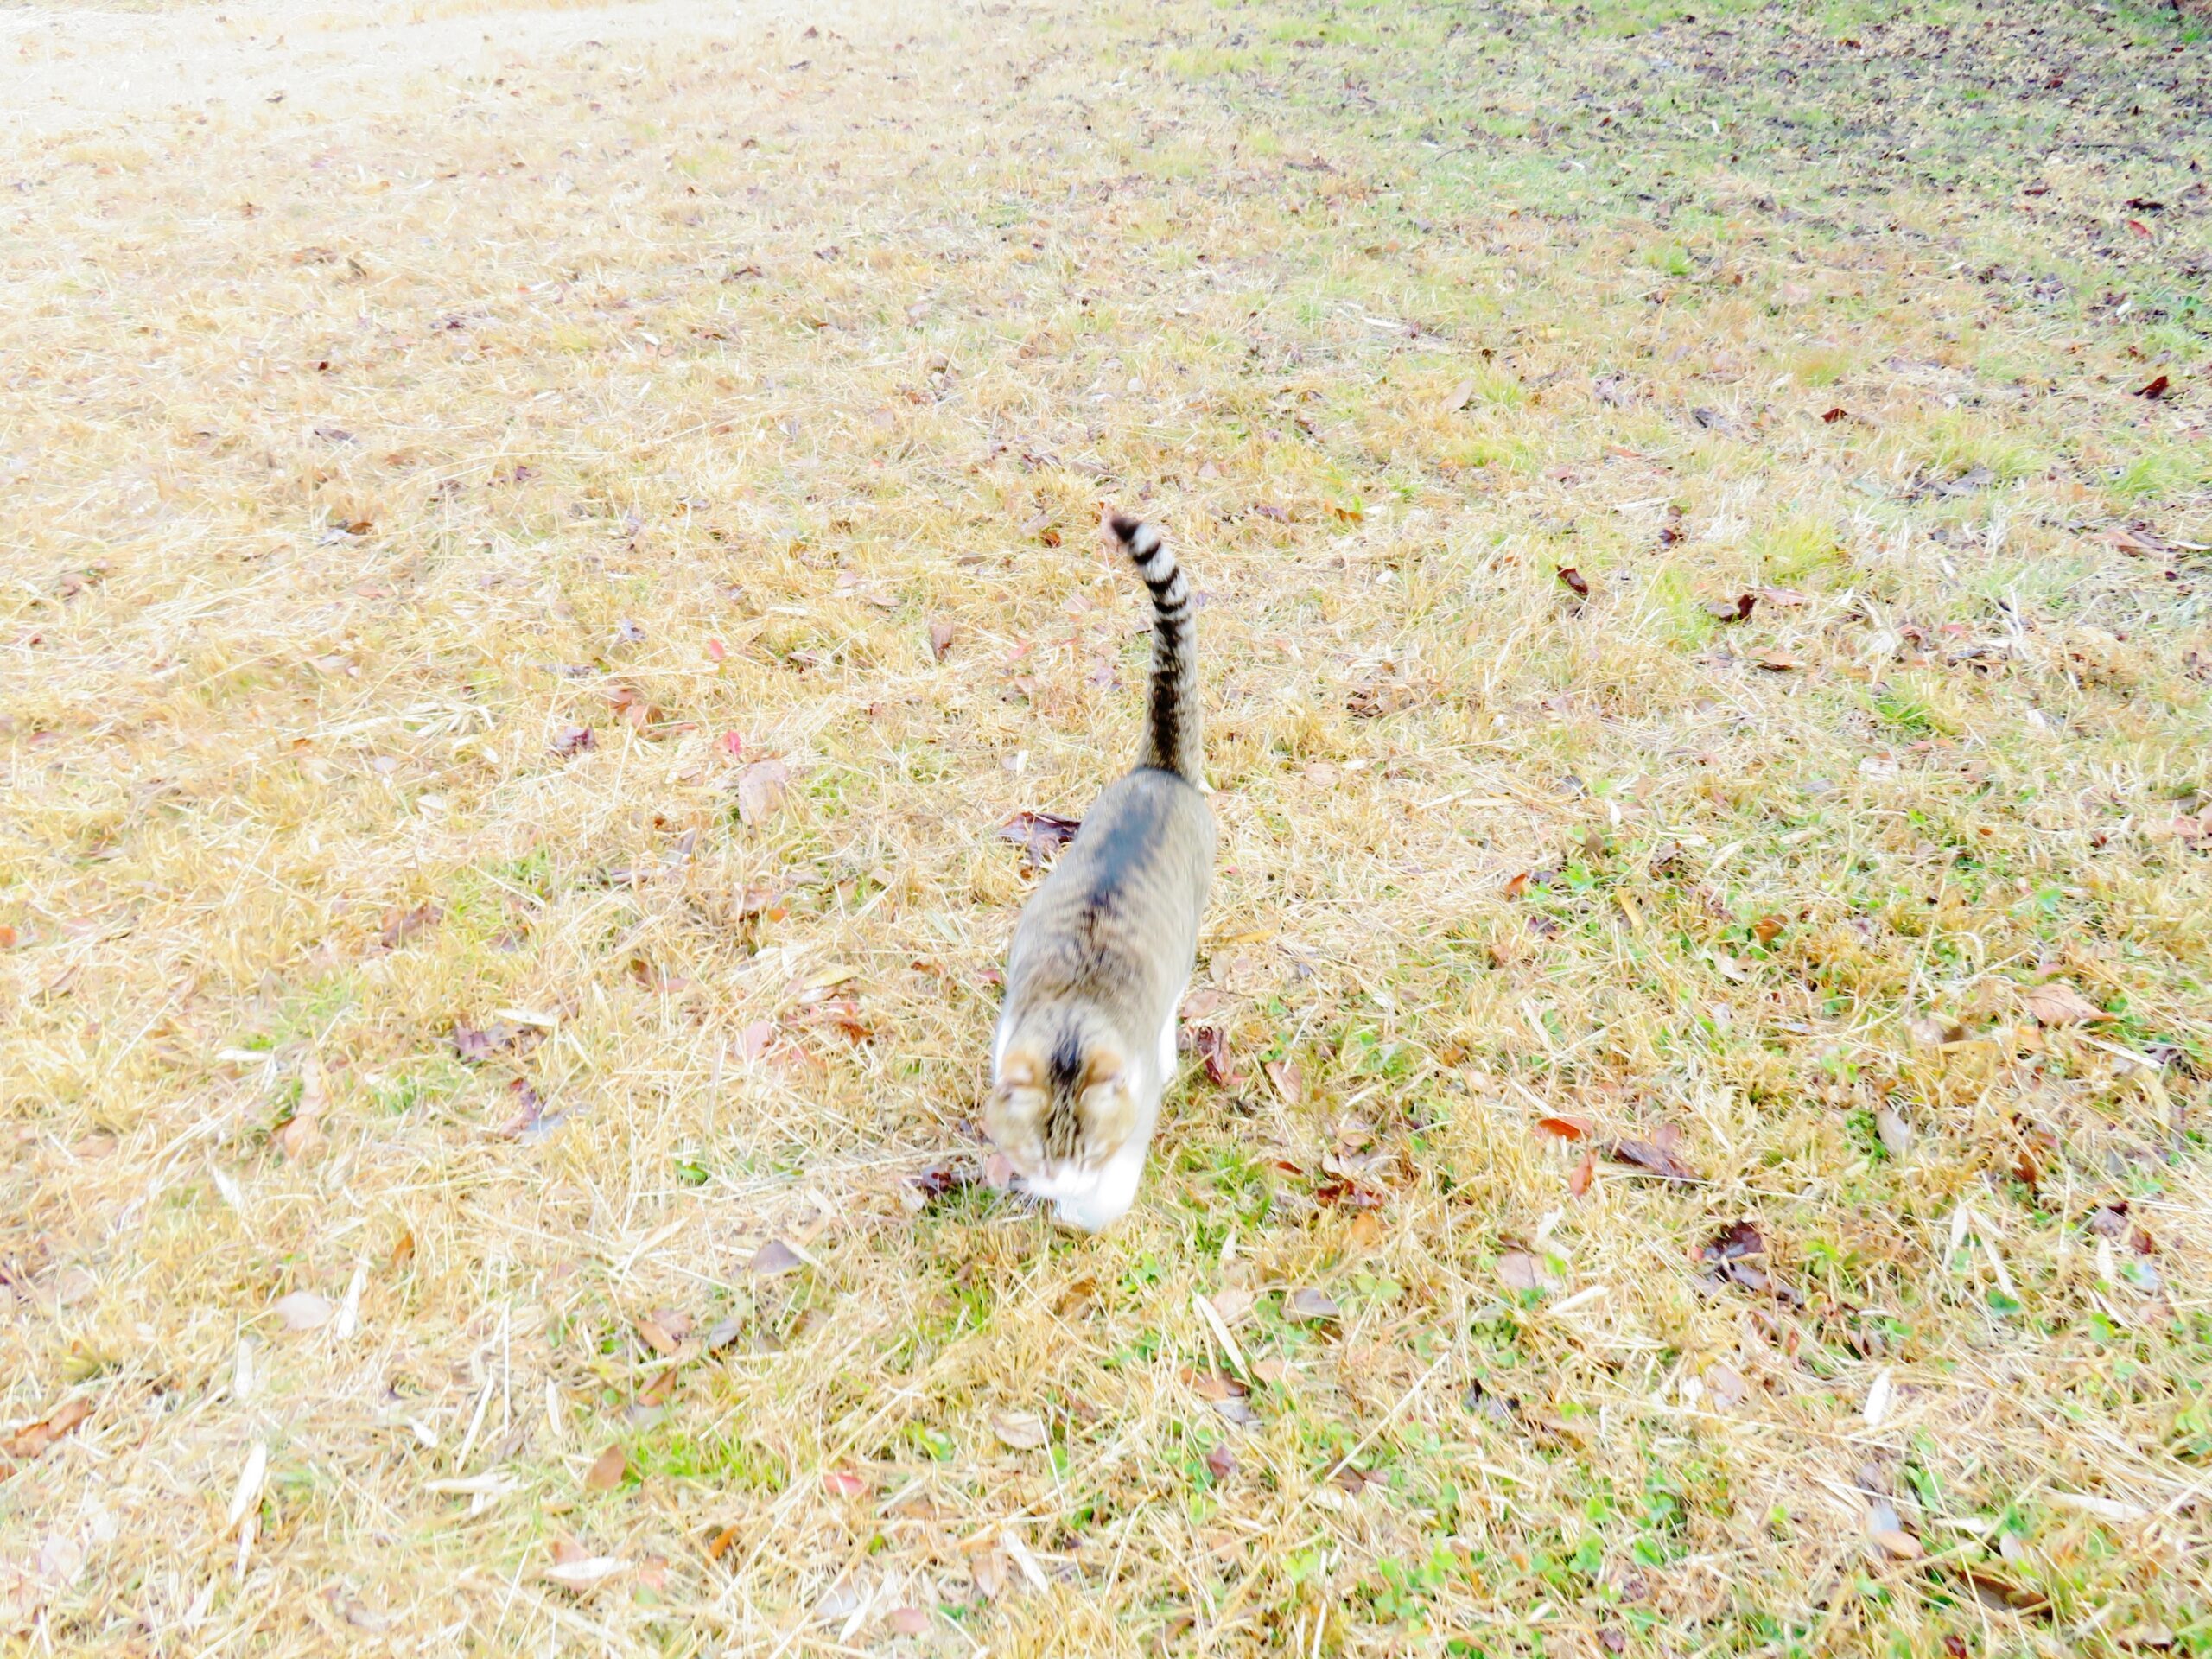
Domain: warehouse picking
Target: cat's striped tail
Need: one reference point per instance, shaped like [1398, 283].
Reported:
[1172, 736]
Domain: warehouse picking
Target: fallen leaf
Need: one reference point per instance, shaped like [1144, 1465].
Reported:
[1895, 1136]
[752, 1042]
[1788, 598]
[630, 705]
[587, 1574]
[658, 1337]
[2156, 390]
[400, 926]
[530, 1117]
[1221, 1462]
[1731, 610]
[760, 789]
[1655, 1156]
[303, 1311]
[1564, 1129]
[1460, 396]
[772, 1260]
[1838, 413]
[1232, 1303]
[478, 1045]
[907, 1621]
[1574, 580]
[1308, 1303]
[34, 1439]
[7, 936]
[1040, 835]
[1288, 1079]
[606, 1469]
[941, 635]
[1935, 1031]
[1779, 663]
[1024, 1431]
[843, 1483]
[628, 632]
[1883, 1528]
[2059, 1004]
[1583, 1172]
[1519, 1271]
[1766, 928]
[1211, 1045]
[989, 1573]
[572, 740]
[1518, 885]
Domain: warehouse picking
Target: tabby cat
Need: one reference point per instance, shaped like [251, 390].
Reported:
[1085, 1044]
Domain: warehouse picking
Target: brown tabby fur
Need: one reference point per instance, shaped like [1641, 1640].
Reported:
[1085, 1044]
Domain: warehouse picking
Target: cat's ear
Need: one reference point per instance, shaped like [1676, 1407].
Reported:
[1014, 1111]
[1108, 1094]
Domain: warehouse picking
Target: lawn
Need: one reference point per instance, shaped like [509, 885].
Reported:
[546, 550]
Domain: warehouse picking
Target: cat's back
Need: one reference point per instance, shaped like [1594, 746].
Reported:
[1149, 828]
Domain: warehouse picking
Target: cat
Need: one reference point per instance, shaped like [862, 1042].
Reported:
[1085, 1043]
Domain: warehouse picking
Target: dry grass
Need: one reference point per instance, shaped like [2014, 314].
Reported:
[358, 449]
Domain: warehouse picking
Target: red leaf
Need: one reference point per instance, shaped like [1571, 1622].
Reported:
[2157, 388]
[1567, 1128]
[1574, 580]
[1838, 413]
[715, 651]
[1578, 1179]
[844, 1483]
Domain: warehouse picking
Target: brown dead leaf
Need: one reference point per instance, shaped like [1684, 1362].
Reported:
[2059, 1004]
[1310, 1304]
[761, 788]
[941, 637]
[1024, 1431]
[1780, 663]
[1585, 1171]
[400, 926]
[1838, 413]
[1460, 396]
[34, 1440]
[572, 740]
[990, 1573]
[630, 704]
[1655, 1156]
[1221, 1462]
[1885, 1528]
[772, 1260]
[1731, 610]
[606, 1469]
[1766, 928]
[1575, 581]
[1564, 1129]
[1518, 885]
[658, 1335]
[2158, 388]
[1040, 835]
[1211, 1045]
[1519, 1271]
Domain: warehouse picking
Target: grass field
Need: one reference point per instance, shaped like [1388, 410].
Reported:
[543, 547]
